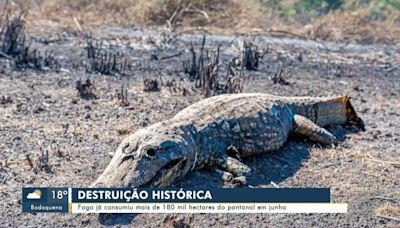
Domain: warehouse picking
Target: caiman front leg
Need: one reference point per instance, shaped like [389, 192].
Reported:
[231, 165]
[226, 163]
[305, 127]
[226, 176]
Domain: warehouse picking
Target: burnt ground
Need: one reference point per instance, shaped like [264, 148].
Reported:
[40, 110]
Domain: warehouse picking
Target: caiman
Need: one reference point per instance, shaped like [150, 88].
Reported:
[217, 132]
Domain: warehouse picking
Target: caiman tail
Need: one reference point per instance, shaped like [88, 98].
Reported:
[326, 111]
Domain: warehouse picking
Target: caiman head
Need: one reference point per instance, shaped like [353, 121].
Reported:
[147, 159]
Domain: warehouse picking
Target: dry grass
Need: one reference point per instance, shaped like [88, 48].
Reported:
[224, 16]
[389, 211]
[365, 158]
[123, 129]
[353, 26]
[151, 12]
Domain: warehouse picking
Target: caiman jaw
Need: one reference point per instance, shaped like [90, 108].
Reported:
[167, 174]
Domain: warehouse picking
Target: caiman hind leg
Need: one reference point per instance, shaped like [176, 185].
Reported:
[305, 127]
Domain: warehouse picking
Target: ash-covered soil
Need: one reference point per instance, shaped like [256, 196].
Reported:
[41, 111]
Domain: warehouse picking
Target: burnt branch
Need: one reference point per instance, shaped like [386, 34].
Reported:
[4, 99]
[279, 78]
[151, 85]
[121, 96]
[12, 34]
[43, 162]
[234, 80]
[195, 65]
[209, 77]
[86, 89]
[14, 46]
[250, 55]
[103, 61]
[175, 87]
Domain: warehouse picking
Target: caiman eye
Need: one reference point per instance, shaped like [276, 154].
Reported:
[150, 152]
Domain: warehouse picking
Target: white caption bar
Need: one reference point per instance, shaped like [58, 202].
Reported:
[209, 208]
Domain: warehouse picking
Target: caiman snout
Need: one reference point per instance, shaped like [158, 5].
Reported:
[116, 171]
[150, 165]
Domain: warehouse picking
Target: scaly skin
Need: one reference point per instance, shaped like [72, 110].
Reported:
[218, 131]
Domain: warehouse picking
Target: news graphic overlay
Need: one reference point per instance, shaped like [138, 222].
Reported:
[42, 200]
[172, 200]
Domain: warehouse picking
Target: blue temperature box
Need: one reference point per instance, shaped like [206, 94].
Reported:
[42, 200]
